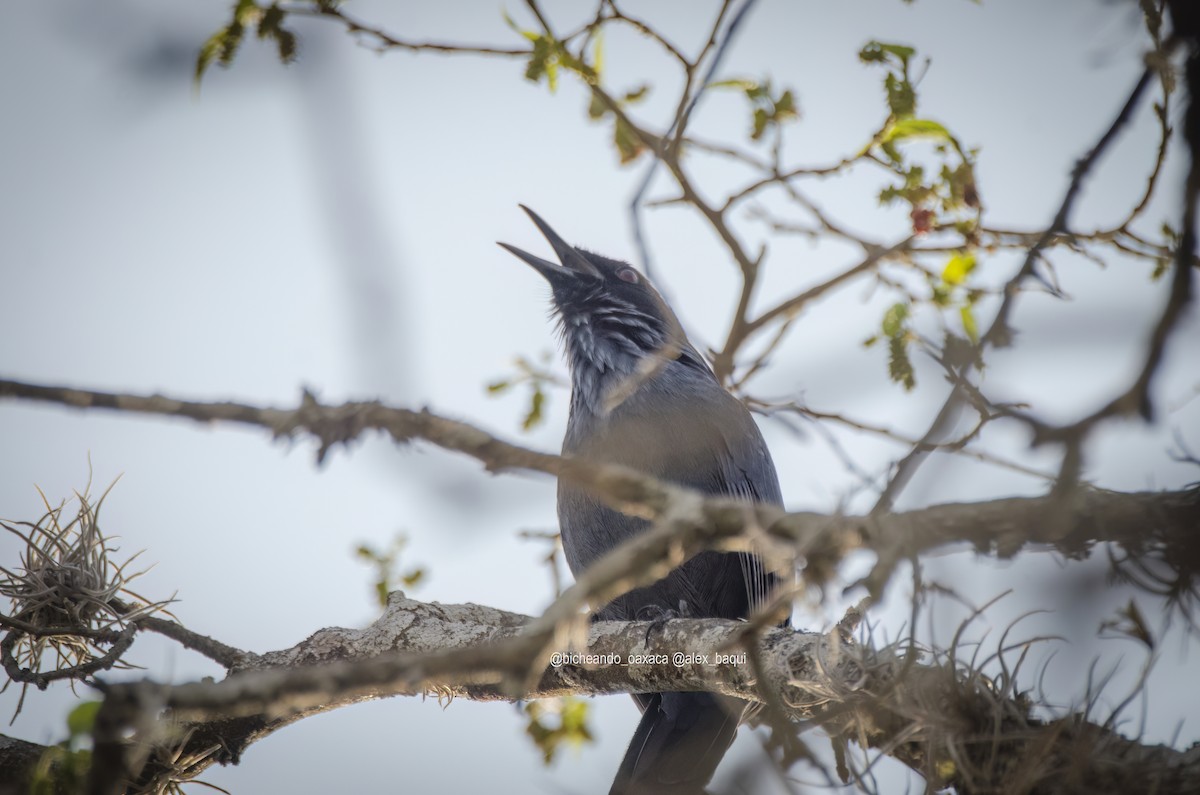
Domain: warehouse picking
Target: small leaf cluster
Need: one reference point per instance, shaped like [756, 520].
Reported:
[943, 197]
[1173, 240]
[538, 379]
[63, 767]
[549, 56]
[627, 142]
[896, 331]
[386, 563]
[571, 725]
[767, 110]
[934, 202]
[947, 292]
[950, 293]
[266, 21]
[901, 95]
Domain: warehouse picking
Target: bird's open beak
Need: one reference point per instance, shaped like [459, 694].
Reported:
[573, 263]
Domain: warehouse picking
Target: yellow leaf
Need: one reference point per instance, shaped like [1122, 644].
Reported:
[958, 267]
[968, 321]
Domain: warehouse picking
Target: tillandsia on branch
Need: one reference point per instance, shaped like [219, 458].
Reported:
[64, 599]
[941, 718]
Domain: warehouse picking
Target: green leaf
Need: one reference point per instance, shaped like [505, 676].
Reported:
[905, 128]
[497, 387]
[888, 195]
[901, 96]
[286, 42]
[246, 12]
[81, 719]
[893, 320]
[568, 60]
[893, 154]
[739, 83]
[899, 365]
[961, 181]
[550, 68]
[572, 724]
[512, 23]
[878, 52]
[958, 267]
[221, 47]
[539, 58]
[271, 20]
[386, 564]
[536, 404]
[629, 146]
[637, 94]
[574, 719]
[760, 124]
[596, 108]
[598, 52]
[785, 106]
[901, 51]
[967, 227]
[765, 109]
[1169, 232]
[209, 50]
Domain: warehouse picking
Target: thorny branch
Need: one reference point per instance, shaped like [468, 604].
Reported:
[1152, 522]
[382, 40]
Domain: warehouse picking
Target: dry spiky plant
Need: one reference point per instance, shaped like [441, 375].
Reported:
[69, 597]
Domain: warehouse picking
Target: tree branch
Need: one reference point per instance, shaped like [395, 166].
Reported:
[878, 698]
[481, 653]
[1157, 524]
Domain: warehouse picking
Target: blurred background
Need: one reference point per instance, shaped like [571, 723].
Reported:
[332, 225]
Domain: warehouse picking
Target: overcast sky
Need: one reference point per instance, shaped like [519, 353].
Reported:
[332, 225]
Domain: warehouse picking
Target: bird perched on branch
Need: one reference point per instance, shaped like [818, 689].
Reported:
[643, 397]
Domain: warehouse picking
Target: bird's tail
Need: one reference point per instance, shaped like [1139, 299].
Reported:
[677, 746]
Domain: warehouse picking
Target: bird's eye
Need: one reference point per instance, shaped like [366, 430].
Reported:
[628, 275]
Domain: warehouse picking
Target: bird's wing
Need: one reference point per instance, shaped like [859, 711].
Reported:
[744, 470]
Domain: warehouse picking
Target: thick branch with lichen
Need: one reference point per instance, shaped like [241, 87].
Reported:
[503, 655]
[941, 720]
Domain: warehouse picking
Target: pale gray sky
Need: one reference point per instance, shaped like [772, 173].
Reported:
[332, 225]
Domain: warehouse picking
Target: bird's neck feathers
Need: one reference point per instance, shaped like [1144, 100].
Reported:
[604, 346]
[608, 346]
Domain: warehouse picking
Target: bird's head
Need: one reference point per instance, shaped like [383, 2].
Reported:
[609, 314]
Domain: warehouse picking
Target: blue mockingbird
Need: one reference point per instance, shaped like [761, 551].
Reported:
[642, 396]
